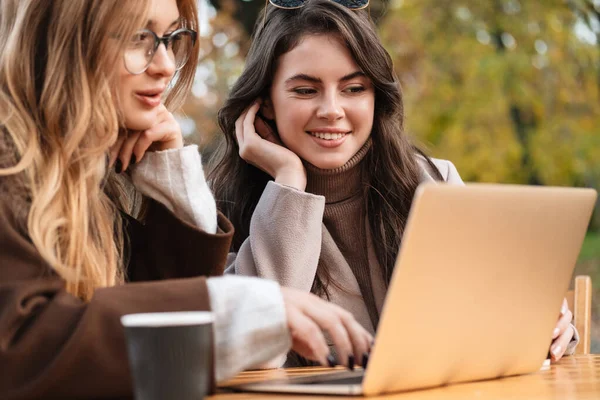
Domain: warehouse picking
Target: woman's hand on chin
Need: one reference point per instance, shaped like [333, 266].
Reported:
[164, 135]
[260, 146]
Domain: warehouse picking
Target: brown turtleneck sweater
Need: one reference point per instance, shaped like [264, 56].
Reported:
[345, 217]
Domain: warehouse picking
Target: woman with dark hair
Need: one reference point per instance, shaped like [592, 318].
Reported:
[321, 194]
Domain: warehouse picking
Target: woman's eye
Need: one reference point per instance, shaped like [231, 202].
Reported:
[305, 91]
[139, 40]
[355, 89]
[139, 37]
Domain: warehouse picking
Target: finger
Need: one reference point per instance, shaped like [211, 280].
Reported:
[360, 338]
[559, 346]
[249, 120]
[368, 338]
[127, 149]
[563, 323]
[251, 141]
[161, 133]
[239, 134]
[565, 307]
[328, 317]
[114, 150]
[371, 342]
[142, 145]
[306, 333]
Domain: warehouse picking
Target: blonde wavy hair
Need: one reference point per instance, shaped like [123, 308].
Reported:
[58, 118]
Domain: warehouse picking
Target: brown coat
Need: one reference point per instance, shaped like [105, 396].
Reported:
[52, 345]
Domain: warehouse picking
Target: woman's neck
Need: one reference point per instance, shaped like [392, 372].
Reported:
[340, 183]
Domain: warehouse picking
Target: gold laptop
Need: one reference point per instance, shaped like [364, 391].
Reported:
[476, 290]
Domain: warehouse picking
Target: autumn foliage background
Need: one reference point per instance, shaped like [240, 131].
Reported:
[509, 90]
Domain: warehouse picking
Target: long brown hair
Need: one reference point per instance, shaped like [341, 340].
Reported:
[58, 119]
[392, 170]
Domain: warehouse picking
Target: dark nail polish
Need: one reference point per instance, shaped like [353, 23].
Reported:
[133, 159]
[331, 360]
[351, 362]
[118, 166]
[365, 360]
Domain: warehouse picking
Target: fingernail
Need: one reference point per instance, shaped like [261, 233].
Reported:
[331, 360]
[564, 309]
[555, 333]
[556, 351]
[365, 360]
[133, 159]
[118, 166]
[351, 362]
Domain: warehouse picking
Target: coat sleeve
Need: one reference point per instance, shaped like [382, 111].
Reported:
[175, 178]
[165, 247]
[53, 345]
[285, 238]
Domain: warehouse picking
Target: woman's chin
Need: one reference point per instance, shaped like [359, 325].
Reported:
[328, 163]
[140, 122]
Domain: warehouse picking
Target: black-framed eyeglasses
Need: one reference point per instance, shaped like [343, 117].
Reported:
[351, 4]
[142, 47]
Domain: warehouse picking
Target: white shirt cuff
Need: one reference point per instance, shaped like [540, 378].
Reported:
[250, 327]
[175, 178]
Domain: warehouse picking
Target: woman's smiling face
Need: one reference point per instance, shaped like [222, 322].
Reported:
[321, 101]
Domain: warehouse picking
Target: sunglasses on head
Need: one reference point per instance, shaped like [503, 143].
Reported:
[290, 4]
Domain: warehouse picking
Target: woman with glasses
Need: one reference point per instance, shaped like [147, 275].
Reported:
[322, 186]
[86, 93]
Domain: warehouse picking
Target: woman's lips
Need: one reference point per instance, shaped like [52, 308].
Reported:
[149, 100]
[329, 139]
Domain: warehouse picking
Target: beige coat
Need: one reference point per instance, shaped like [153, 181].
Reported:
[287, 238]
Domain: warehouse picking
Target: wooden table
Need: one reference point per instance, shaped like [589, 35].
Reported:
[575, 377]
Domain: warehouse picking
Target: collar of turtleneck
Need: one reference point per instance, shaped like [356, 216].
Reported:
[340, 183]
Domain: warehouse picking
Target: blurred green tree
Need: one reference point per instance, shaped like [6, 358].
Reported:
[507, 89]
[223, 45]
[244, 11]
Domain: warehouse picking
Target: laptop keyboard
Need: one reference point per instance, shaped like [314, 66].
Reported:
[355, 380]
[344, 378]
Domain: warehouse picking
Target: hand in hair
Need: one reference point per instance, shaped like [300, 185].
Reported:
[308, 316]
[266, 152]
[563, 333]
[165, 134]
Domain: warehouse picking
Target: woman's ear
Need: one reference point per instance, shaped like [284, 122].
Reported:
[266, 109]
